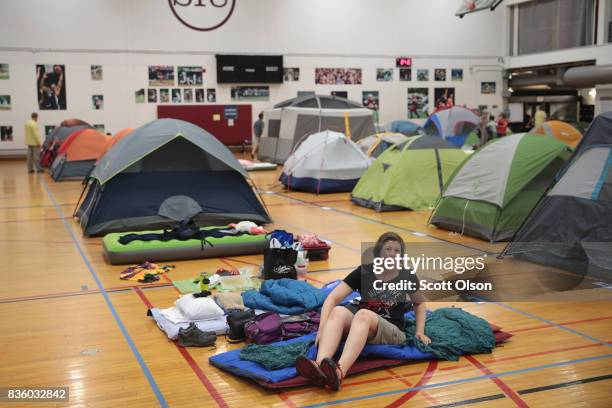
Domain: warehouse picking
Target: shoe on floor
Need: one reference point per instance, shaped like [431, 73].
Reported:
[194, 337]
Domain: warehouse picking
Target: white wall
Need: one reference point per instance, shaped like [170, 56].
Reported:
[125, 36]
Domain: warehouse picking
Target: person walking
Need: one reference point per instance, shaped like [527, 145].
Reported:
[32, 140]
[258, 129]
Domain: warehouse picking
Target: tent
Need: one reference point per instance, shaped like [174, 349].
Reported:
[118, 136]
[571, 227]
[54, 139]
[325, 162]
[405, 127]
[78, 154]
[452, 124]
[375, 145]
[409, 175]
[561, 131]
[290, 121]
[491, 194]
[167, 171]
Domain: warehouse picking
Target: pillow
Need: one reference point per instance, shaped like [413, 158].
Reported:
[199, 308]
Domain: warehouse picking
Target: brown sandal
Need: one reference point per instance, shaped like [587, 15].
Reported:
[311, 371]
[330, 368]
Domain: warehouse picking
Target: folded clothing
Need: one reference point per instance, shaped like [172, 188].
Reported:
[229, 300]
[217, 325]
[201, 308]
[284, 296]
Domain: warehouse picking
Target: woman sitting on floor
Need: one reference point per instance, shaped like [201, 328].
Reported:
[375, 318]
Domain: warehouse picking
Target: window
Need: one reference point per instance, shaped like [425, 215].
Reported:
[548, 25]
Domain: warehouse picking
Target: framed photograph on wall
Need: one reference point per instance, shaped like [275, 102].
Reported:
[211, 95]
[152, 95]
[456, 74]
[291, 74]
[177, 96]
[164, 95]
[187, 95]
[250, 93]
[440, 74]
[444, 98]
[96, 72]
[139, 95]
[4, 71]
[370, 100]
[6, 133]
[97, 102]
[51, 86]
[5, 102]
[384, 74]
[339, 94]
[487, 87]
[338, 76]
[302, 94]
[161, 75]
[190, 76]
[423, 75]
[200, 95]
[418, 103]
[405, 74]
[49, 129]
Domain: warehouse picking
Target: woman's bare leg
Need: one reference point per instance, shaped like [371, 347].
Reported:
[363, 327]
[338, 324]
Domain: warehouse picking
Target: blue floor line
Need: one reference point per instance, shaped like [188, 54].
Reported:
[126, 335]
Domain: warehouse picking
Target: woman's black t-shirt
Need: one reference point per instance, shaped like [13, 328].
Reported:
[389, 304]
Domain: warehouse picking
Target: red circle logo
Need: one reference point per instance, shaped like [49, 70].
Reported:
[202, 15]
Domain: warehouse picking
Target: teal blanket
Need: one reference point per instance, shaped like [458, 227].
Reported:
[453, 332]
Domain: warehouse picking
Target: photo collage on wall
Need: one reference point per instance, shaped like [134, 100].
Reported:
[162, 79]
[250, 93]
[338, 76]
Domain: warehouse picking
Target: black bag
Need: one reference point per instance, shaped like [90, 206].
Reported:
[279, 263]
[236, 319]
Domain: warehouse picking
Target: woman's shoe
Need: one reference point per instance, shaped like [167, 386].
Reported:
[333, 372]
[310, 370]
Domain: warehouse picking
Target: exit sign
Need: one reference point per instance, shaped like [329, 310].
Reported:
[403, 62]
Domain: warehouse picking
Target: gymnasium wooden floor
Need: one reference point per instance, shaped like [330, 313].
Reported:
[67, 319]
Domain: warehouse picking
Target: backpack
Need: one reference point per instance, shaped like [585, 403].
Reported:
[264, 329]
[236, 320]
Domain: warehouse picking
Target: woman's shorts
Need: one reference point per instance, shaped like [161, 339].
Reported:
[387, 332]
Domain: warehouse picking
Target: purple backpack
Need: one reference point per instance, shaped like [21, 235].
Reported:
[268, 327]
[264, 329]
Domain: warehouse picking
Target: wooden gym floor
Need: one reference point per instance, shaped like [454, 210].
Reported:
[67, 319]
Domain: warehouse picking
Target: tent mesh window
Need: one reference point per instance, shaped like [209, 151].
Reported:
[274, 128]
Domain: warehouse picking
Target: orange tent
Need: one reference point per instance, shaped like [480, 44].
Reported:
[85, 144]
[78, 154]
[118, 136]
[561, 131]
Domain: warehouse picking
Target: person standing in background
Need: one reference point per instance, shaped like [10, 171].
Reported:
[540, 117]
[502, 125]
[32, 140]
[258, 129]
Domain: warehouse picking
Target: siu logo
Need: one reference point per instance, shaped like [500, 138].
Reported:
[202, 15]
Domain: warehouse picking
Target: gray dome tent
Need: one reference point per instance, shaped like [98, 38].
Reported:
[289, 121]
[163, 172]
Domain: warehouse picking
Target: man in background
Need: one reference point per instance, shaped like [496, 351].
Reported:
[539, 117]
[258, 129]
[32, 140]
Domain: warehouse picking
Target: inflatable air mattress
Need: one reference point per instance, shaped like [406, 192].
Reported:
[175, 250]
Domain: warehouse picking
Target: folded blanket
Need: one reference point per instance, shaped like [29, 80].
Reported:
[284, 296]
[218, 325]
[274, 357]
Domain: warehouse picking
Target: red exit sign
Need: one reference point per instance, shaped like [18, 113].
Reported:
[402, 62]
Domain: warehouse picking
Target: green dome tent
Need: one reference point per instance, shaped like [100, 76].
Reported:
[491, 194]
[409, 175]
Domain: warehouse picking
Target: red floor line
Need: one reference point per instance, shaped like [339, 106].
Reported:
[189, 359]
[431, 369]
[499, 382]
[286, 400]
[409, 384]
